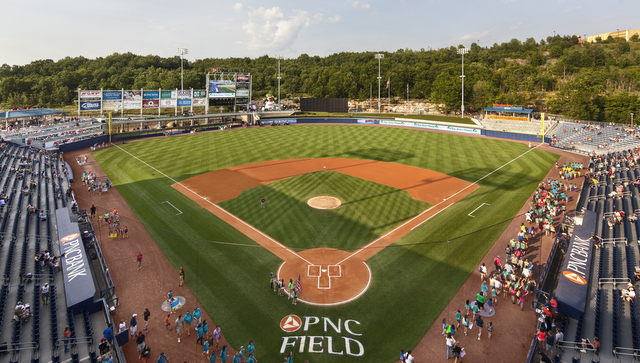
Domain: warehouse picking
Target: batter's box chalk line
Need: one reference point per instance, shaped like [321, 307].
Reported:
[324, 275]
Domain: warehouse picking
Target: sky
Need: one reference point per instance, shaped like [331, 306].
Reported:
[39, 29]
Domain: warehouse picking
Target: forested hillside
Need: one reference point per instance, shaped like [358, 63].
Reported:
[599, 81]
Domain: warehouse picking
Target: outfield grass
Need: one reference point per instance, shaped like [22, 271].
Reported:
[413, 279]
[368, 210]
[426, 117]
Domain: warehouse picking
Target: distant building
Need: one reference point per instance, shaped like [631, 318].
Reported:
[626, 34]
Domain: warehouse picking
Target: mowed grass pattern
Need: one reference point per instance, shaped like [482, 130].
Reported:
[413, 279]
[368, 210]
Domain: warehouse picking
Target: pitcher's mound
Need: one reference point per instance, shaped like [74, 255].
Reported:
[324, 202]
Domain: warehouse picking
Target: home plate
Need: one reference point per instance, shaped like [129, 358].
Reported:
[324, 270]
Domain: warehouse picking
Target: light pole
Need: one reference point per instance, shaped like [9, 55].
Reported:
[182, 52]
[378, 57]
[370, 95]
[278, 57]
[463, 51]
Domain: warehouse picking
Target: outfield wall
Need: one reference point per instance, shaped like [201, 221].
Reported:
[292, 120]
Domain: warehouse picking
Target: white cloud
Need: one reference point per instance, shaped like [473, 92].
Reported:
[272, 29]
[334, 19]
[238, 6]
[516, 26]
[356, 4]
[571, 10]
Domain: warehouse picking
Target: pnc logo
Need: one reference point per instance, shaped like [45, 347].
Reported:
[290, 323]
[574, 277]
[69, 238]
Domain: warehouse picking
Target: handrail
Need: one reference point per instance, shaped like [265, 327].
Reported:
[613, 280]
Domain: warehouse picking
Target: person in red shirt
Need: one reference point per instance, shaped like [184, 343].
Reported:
[139, 259]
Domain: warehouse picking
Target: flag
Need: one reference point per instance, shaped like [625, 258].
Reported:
[299, 284]
[388, 80]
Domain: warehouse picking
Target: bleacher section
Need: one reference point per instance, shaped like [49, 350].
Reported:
[522, 127]
[598, 138]
[607, 316]
[31, 177]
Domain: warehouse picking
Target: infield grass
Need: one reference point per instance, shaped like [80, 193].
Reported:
[413, 279]
[368, 210]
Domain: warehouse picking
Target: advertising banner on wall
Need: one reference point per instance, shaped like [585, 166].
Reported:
[199, 102]
[150, 95]
[168, 94]
[168, 103]
[184, 102]
[89, 105]
[111, 105]
[222, 89]
[133, 95]
[242, 93]
[90, 94]
[112, 95]
[184, 94]
[199, 93]
[132, 105]
[150, 103]
[431, 126]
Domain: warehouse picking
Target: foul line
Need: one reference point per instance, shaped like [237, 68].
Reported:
[216, 206]
[174, 207]
[444, 200]
[481, 205]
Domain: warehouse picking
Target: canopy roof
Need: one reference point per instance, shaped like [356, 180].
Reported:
[30, 113]
[509, 109]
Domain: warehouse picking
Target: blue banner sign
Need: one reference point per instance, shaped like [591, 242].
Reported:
[112, 95]
[89, 105]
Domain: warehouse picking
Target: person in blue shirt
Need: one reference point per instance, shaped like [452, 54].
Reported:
[251, 359]
[236, 358]
[200, 332]
[223, 354]
[290, 357]
[187, 321]
[212, 358]
[107, 333]
[162, 358]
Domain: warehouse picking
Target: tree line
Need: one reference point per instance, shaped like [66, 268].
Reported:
[559, 75]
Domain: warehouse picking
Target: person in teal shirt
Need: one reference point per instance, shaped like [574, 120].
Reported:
[187, 321]
[250, 348]
[200, 332]
[251, 359]
[205, 329]
[205, 348]
[212, 358]
[196, 316]
[223, 354]
[236, 358]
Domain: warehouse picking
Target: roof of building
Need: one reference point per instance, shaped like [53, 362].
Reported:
[516, 109]
[30, 113]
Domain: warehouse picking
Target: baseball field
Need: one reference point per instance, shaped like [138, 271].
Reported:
[418, 211]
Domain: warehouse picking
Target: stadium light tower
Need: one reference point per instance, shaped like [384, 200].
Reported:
[378, 57]
[463, 51]
[182, 52]
[278, 57]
